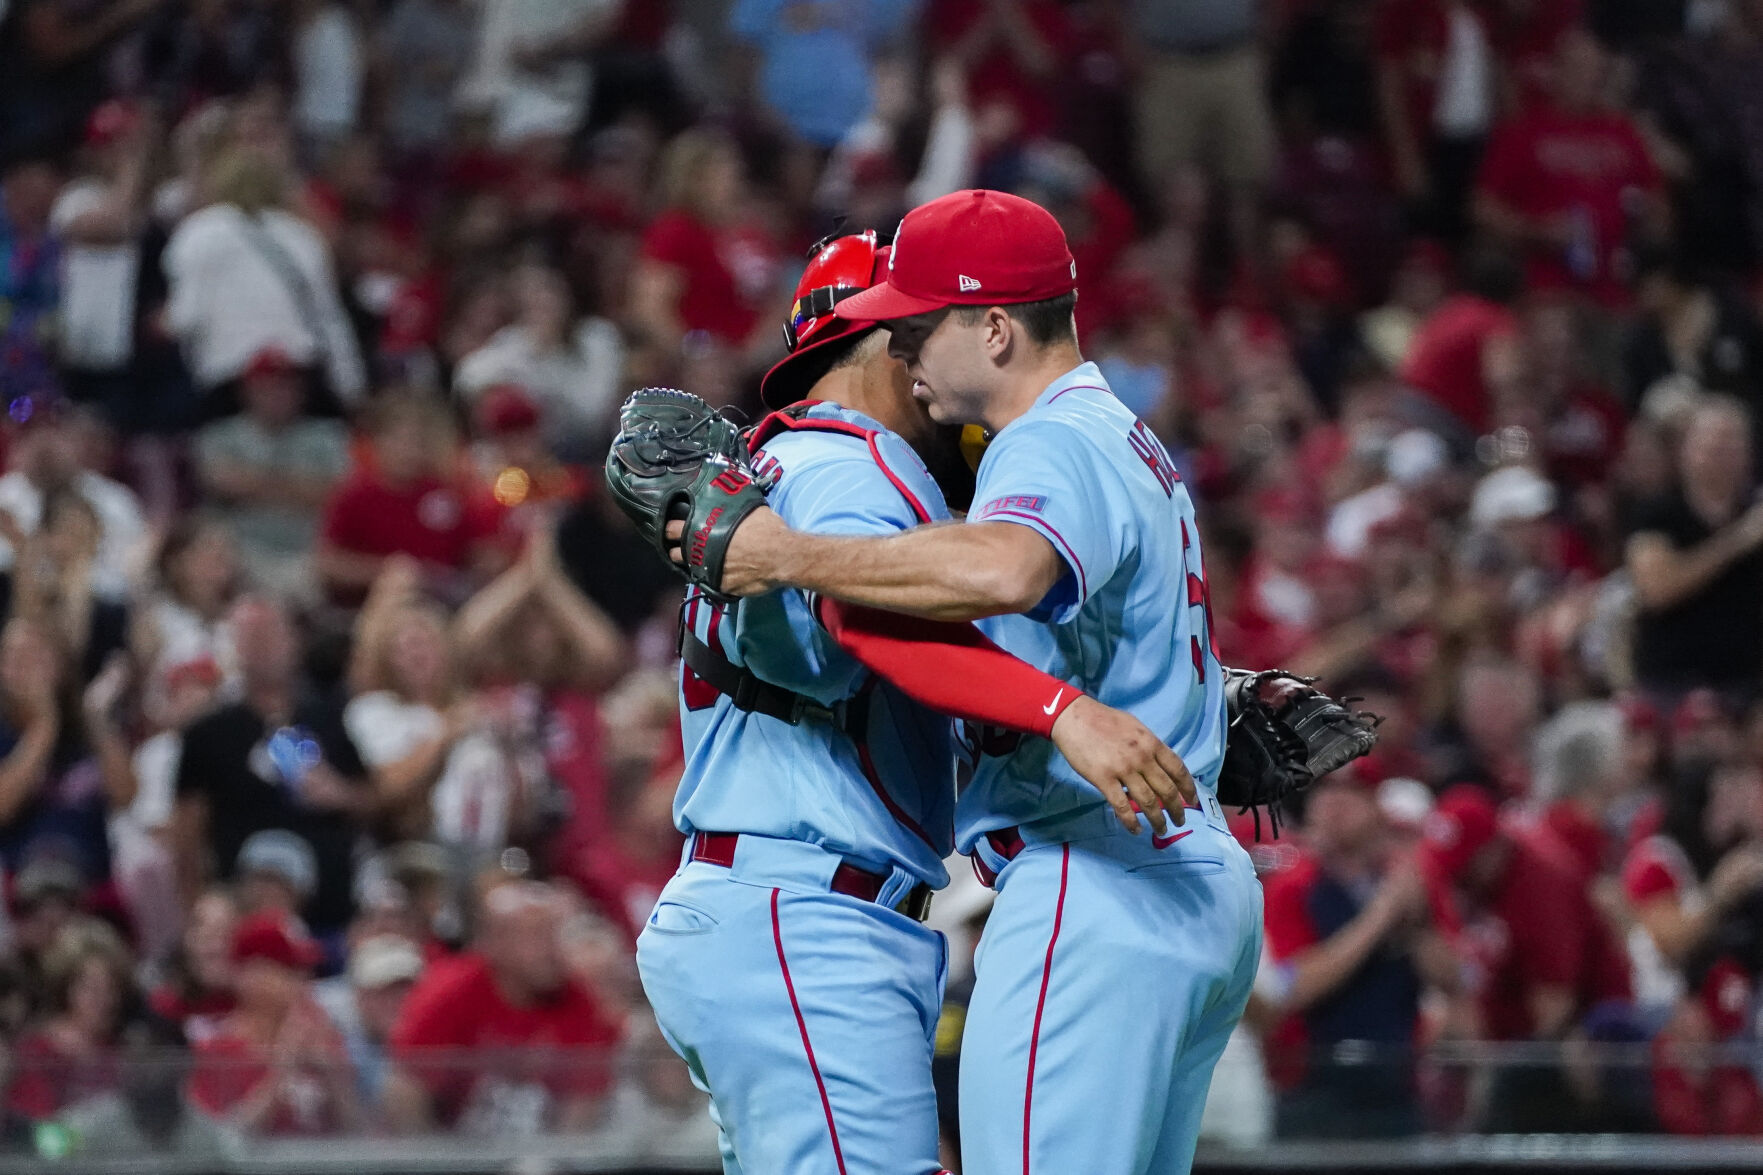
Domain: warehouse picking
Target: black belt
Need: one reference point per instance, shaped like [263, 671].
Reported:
[748, 692]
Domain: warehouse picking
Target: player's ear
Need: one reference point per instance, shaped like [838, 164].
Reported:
[999, 335]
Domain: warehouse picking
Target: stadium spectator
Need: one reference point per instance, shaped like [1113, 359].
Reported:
[141, 840]
[30, 285]
[1586, 792]
[55, 52]
[568, 363]
[1014, 55]
[542, 1038]
[544, 653]
[269, 470]
[276, 1066]
[521, 474]
[150, 1112]
[100, 217]
[1544, 959]
[1348, 934]
[364, 1004]
[530, 71]
[44, 459]
[1683, 881]
[1697, 572]
[1438, 92]
[421, 52]
[329, 74]
[180, 628]
[1419, 284]
[1696, 96]
[276, 873]
[1201, 101]
[1693, 889]
[197, 992]
[813, 70]
[701, 268]
[440, 768]
[1463, 359]
[407, 499]
[245, 274]
[1691, 327]
[89, 995]
[273, 759]
[53, 789]
[1571, 183]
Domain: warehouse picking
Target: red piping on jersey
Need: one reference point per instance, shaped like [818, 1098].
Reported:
[777, 935]
[911, 499]
[1079, 387]
[867, 763]
[1034, 1042]
[1042, 524]
[785, 421]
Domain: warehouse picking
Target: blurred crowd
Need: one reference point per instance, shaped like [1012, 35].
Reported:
[337, 706]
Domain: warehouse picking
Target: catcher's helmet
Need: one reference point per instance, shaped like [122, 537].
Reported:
[838, 267]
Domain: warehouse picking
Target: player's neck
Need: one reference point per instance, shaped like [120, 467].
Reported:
[857, 388]
[1023, 386]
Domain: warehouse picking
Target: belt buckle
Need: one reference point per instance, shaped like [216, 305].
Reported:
[916, 904]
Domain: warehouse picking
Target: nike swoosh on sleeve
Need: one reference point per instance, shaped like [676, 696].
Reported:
[1054, 704]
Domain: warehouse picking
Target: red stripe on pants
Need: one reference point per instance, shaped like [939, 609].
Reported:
[777, 935]
[1034, 1044]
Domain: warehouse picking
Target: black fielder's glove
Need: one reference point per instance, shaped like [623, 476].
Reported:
[676, 459]
[1284, 734]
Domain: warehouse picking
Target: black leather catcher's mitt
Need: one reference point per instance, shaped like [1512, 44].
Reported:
[1284, 734]
[676, 459]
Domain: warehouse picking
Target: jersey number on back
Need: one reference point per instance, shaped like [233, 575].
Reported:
[1151, 451]
[1199, 595]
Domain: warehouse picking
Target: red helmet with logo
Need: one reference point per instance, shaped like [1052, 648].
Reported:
[838, 267]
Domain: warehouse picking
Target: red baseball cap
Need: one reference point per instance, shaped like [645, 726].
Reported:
[110, 122]
[1464, 822]
[272, 937]
[270, 360]
[506, 408]
[970, 248]
[838, 269]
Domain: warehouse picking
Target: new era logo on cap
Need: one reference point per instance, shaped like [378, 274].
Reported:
[972, 248]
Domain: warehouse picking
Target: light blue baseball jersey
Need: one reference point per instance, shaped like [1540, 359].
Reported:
[884, 798]
[1127, 623]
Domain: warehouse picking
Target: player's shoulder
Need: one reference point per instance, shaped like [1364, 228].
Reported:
[1080, 426]
[829, 440]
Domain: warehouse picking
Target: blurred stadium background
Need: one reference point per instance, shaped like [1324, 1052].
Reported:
[337, 729]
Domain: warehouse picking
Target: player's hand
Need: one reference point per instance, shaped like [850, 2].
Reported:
[1124, 761]
[748, 568]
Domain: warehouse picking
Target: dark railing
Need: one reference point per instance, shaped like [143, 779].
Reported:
[1470, 1106]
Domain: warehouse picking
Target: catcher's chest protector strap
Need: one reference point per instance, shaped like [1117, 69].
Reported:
[795, 418]
[748, 692]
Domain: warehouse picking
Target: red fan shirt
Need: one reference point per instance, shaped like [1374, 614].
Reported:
[492, 1065]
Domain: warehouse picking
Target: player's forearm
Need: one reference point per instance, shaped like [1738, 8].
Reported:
[951, 668]
[955, 571]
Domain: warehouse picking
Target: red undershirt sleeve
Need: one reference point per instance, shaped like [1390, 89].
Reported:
[951, 668]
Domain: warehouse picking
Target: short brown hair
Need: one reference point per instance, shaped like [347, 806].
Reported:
[1046, 321]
